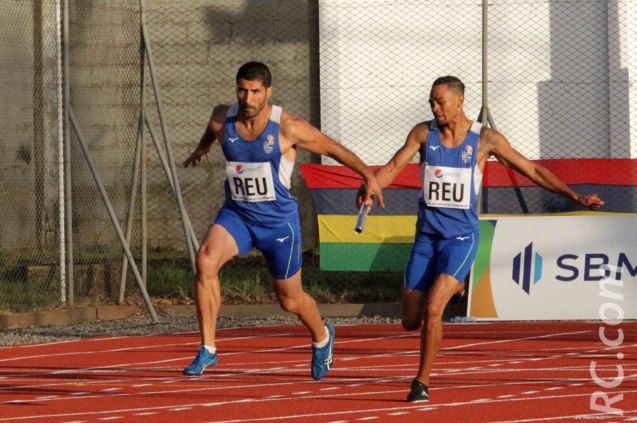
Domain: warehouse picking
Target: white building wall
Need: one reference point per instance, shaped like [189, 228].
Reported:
[559, 72]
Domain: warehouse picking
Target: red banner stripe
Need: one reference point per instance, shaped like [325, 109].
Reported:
[571, 171]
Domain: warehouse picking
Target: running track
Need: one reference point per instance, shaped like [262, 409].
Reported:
[486, 372]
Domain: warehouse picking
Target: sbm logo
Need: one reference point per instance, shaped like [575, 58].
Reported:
[522, 268]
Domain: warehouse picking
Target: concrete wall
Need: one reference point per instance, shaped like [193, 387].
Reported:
[28, 125]
[198, 47]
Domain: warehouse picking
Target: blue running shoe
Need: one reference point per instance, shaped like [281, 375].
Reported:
[203, 360]
[322, 357]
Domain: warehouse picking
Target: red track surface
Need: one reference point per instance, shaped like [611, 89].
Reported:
[497, 372]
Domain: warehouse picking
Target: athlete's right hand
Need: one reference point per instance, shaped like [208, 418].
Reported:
[196, 156]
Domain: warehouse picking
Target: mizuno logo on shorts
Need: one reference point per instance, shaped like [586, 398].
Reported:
[232, 139]
[462, 238]
[434, 148]
[282, 239]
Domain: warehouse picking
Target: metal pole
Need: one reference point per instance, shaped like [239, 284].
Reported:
[112, 215]
[144, 214]
[169, 155]
[164, 164]
[136, 166]
[485, 114]
[131, 205]
[484, 111]
[68, 187]
[60, 109]
[485, 59]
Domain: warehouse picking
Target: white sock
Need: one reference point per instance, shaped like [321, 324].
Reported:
[323, 342]
[211, 350]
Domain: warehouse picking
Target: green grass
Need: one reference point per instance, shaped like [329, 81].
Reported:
[250, 285]
[18, 295]
[243, 281]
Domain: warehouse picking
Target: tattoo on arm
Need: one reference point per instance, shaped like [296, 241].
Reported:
[488, 140]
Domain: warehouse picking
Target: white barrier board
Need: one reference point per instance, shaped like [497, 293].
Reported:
[551, 268]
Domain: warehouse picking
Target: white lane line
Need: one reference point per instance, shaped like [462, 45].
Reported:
[458, 404]
[555, 388]
[530, 392]
[603, 416]
[110, 338]
[399, 413]
[111, 389]
[145, 414]
[368, 418]
[146, 347]
[329, 389]
[181, 409]
[514, 340]
[296, 417]
[204, 379]
[302, 393]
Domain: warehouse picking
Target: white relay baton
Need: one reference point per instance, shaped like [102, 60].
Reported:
[362, 215]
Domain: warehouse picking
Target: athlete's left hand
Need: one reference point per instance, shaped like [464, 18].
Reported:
[591, 201]
[372, 188]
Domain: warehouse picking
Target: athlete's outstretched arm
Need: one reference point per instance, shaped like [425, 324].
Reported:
[502, 150]
[417, 136]
[386, 174]
[309, 138]
[215, 125]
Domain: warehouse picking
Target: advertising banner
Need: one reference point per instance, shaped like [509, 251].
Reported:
[554, 268]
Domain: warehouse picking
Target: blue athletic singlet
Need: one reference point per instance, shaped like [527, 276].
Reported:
[450, 180]
[258, 176]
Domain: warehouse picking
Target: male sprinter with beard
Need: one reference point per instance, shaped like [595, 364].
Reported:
[453, 152]
[259, 142]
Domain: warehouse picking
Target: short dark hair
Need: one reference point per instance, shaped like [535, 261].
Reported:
[253, 71]
[451, 82]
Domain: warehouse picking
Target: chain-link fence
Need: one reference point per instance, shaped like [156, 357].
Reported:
[104, 83]
[30, 132]
[561, 81]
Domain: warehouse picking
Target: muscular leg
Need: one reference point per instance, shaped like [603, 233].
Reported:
[441, 292]
[413, 308]
[294, 300]
[216, 249]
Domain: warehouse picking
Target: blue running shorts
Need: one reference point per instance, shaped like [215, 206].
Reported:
[432, 255]
[281, 247]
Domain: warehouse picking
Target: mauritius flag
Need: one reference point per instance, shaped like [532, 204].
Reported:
[386, 241]
[389, 233]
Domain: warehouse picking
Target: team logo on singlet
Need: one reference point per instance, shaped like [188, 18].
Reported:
[250, 182]
[268, 145]
[448, 187]
[467, 153]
